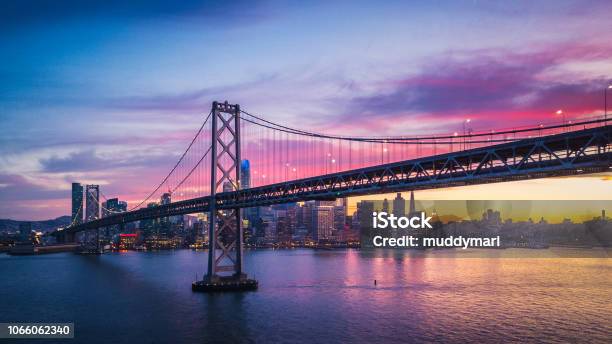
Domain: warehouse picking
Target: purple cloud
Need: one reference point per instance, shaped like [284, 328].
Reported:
[17, 188]
[505, 83]
[88, 160]
[198, 100]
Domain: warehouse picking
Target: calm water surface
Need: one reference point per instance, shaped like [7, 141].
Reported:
[313, 297]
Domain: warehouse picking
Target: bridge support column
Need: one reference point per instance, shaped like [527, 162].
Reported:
[225, 270]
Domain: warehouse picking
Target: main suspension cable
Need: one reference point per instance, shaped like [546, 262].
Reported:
[192, 169]
[400, 139]
[175, 166]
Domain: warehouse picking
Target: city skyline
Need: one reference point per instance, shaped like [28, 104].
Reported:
[596, 187]
[118, 92]
[540, 190]
[552, 211]
[330, 224]
[559, 189]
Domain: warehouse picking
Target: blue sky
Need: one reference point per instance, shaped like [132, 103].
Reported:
[110, 91]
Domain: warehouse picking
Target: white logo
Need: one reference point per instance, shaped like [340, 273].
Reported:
[383, 220]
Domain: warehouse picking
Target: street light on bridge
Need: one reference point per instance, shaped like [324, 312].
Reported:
[465, 122]
[606, 103]
[560, 112]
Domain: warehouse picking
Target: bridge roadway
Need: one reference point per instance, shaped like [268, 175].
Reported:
[571, 153]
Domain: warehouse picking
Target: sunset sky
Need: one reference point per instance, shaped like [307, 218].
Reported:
[110, 92]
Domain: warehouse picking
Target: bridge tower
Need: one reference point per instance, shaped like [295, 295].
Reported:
[225, 231]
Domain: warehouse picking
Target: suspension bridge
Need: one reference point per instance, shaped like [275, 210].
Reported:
[291, 165]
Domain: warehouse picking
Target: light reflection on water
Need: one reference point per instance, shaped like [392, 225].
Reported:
[315, 296]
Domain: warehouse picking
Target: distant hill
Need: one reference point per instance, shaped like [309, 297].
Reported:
[8, 225]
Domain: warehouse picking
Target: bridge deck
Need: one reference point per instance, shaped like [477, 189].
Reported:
[584, 151]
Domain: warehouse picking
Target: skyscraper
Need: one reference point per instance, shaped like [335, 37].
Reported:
[249, 214]
[412, 211]
[164, 222]
[304, 218]
[385, 206]
[92, 204]
[364, 217]
[112, 206]
[122, 206]
[322, 222]
[77, 203]
[267, 226]
[245, 174]
[399, 205]
[340, 214]
[150, 226]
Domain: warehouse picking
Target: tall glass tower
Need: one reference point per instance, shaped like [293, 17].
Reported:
[77, 204]
[249, 214]
[245, 174]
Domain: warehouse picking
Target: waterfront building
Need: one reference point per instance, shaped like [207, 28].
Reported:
[127, 241]
[166, 198]
[291, 213]
[150, 226]
[283, 228]
[304, 217]
[166, 223]
[322, 222]
[363, 217]
[339, 217]
[267, 225]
